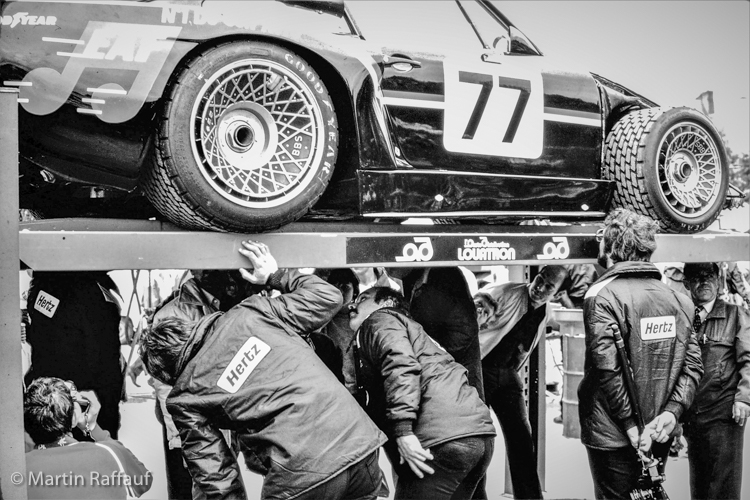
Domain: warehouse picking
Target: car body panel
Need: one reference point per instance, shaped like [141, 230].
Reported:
[114, 76]
[413, 193]
[92, 77]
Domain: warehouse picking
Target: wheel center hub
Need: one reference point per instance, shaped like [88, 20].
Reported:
[682, 170]
[247, 135]
[240, 136]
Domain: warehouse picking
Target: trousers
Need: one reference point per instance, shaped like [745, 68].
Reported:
[715, 459]
[616, 471]
[459, 466]
[361, 481]
[504, 392]
[179, 481]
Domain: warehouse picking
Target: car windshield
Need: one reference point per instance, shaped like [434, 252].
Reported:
[417, 26]
[421, 26]
[494, 29]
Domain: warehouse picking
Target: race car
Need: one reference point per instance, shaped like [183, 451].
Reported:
[245, 116]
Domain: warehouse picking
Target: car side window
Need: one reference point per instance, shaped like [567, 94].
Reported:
[416, 26]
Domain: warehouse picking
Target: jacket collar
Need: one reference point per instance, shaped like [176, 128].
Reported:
[192, 294]
[202, 330]
[719, 310]
[631, 269]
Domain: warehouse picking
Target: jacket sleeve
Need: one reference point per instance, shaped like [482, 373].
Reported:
[385, 344]
[306, 302]
[161, 391]
[742, 348]
[140, 477]
[692, 369]
[211, 463]
[600, 343]
[738, 281]
[173, 309]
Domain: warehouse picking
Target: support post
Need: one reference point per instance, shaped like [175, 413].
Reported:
[12, 456]
[536, 387]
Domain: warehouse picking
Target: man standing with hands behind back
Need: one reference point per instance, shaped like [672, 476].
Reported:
[715, 423]
[656, 326]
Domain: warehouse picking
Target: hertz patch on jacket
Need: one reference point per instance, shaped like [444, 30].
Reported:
[658, 328]
[243, 363]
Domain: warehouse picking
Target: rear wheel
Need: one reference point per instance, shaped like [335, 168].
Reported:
[247, 141]
[668, 164]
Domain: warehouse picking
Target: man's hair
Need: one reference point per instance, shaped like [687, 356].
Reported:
[383, 293]
[48, 410]
[161, 346]
[629, 236]
[343, 276]
[692, 269]
[556, 272]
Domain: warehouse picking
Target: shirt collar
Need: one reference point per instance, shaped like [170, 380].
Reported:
[707, 308]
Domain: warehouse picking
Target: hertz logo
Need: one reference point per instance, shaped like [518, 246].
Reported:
[242, 365]
[658, 328]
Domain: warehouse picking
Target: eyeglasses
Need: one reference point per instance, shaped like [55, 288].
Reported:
[599, 234]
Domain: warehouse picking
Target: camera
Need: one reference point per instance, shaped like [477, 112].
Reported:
[649, 484]
[653, 493]
[84, 403]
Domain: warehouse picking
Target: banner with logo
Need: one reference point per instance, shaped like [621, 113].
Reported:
[469, 250]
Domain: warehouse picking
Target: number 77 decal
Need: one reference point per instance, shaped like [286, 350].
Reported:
[491, 113]
[486, 82]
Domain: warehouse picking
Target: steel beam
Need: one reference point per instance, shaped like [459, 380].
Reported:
[105, 244]
[12, 456]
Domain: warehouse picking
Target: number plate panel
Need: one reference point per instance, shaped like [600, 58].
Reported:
[493, 109]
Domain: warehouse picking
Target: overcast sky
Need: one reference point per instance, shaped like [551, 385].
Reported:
[669, 51]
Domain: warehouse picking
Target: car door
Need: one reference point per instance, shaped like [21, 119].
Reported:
[463, 91]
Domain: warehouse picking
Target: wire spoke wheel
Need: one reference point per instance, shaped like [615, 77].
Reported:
[689, 169]
[248, 140]
[257, 132]
[669, 164]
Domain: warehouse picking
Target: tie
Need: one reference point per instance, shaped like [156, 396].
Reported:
[697, 318]
[697, 324]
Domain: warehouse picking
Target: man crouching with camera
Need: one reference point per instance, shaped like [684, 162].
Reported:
[60, 466]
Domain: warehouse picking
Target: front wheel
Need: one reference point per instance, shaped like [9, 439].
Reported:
[247, 141]
[668, 164]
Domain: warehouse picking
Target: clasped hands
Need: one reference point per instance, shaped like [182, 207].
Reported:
[659, 429]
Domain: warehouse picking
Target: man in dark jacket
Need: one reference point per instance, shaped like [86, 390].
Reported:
[422, 399]
[249, 370]
[656, 326]
[207, 292]
[715, 423]
[442, 304]
[74, 335]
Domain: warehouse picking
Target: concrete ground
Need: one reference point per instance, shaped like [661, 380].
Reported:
[567, 473]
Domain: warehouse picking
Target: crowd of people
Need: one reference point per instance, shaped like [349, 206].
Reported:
[310, 376]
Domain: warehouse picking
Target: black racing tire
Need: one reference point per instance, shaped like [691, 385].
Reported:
[669, 164]
[247, 140]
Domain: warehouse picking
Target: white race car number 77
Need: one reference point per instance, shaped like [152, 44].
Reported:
[493, 109]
